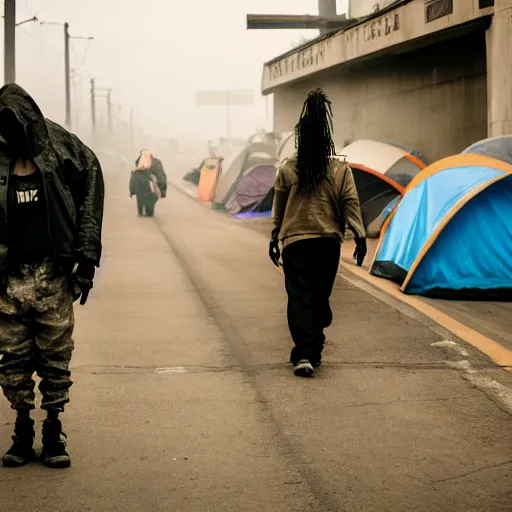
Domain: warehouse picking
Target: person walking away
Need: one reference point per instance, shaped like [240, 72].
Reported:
[148, 183]
[315, 197]
[51, 213]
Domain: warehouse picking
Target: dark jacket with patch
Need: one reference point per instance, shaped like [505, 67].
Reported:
[72, 179]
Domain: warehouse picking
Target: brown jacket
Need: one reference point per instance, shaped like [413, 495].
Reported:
[325, 213]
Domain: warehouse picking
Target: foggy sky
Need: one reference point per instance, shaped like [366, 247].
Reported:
[155, 58]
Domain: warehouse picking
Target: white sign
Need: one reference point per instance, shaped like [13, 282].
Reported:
[224, 98]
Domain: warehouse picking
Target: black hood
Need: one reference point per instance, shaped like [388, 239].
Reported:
[15, 99]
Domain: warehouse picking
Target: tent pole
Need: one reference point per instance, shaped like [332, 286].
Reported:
[228, 113]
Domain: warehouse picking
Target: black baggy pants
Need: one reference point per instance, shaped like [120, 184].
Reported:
[310, 267]
[146, 204]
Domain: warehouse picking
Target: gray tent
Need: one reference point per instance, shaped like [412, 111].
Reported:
[495, 147]
[253, 155]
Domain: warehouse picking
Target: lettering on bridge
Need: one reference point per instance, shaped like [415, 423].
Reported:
[309, 57]
[381, 27]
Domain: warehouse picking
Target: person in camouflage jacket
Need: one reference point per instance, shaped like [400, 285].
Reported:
[51, 213]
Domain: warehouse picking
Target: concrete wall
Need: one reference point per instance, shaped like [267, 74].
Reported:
[433, 99]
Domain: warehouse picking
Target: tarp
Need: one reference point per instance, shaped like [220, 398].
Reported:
[495, 147]
[451, 234]
[194, 175]
[208, 180]
[256, 154]
[252, 189]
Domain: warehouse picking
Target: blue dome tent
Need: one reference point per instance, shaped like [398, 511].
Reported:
[451, 234]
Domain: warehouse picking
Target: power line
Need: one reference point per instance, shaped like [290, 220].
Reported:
[42, 43]
[47, 6]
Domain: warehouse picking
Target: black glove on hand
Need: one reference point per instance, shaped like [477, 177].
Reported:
[274, 251]
[83, 281]
[360, 252]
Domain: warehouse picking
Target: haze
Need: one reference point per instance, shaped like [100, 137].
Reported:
[154, 54]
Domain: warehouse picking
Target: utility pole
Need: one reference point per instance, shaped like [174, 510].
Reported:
[67, 75]
[228, 111]
[132, 148]
[109, 110]
[9, 41]
[93, 106]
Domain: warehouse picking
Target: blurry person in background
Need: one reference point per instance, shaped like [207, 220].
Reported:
[315, 198]
[148, 183]
[51, 214]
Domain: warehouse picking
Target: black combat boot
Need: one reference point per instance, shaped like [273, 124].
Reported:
[22, 449]
[54, 454]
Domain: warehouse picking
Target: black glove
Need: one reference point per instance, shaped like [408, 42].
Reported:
[83, 281]
[274, 251]
[360, 252]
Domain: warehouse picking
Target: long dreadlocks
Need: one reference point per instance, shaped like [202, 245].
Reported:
[313, 136]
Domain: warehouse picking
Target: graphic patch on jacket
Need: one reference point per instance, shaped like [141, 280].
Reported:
[28, 219]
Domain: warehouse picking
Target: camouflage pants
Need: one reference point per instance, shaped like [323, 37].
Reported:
[36, 328]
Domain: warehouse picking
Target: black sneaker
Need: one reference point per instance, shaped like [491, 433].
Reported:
[54, 454]
[304, 369]
[22, 450]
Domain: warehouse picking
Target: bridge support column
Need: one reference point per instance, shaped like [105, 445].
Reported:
[326, 9]
[499, 66]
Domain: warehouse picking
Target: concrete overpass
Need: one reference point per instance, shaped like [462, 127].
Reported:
[432, 74]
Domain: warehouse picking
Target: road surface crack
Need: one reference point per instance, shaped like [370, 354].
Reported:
[478, 470]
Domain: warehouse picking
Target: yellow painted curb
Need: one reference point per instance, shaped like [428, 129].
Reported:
[499, 354]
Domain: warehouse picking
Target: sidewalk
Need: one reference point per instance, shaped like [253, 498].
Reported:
[183, 399]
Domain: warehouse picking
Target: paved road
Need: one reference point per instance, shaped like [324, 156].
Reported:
[183, 400]
[492, 319]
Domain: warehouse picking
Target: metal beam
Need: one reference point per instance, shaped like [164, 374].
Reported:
[290, 21]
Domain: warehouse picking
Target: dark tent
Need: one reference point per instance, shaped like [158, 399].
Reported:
[253, 189]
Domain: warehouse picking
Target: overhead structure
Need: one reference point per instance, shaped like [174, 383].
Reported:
[326, 21]
[451, 234]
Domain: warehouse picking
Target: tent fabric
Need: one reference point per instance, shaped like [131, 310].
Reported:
[495, 147]
[374, 228]
[208, 180]
[252, 189]
[381, 172]
[439, 240]
[374, 192]
[230, 173]
[457, 161]
[256, 154]
[392, 161]
[412, 151]
[254, 215]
